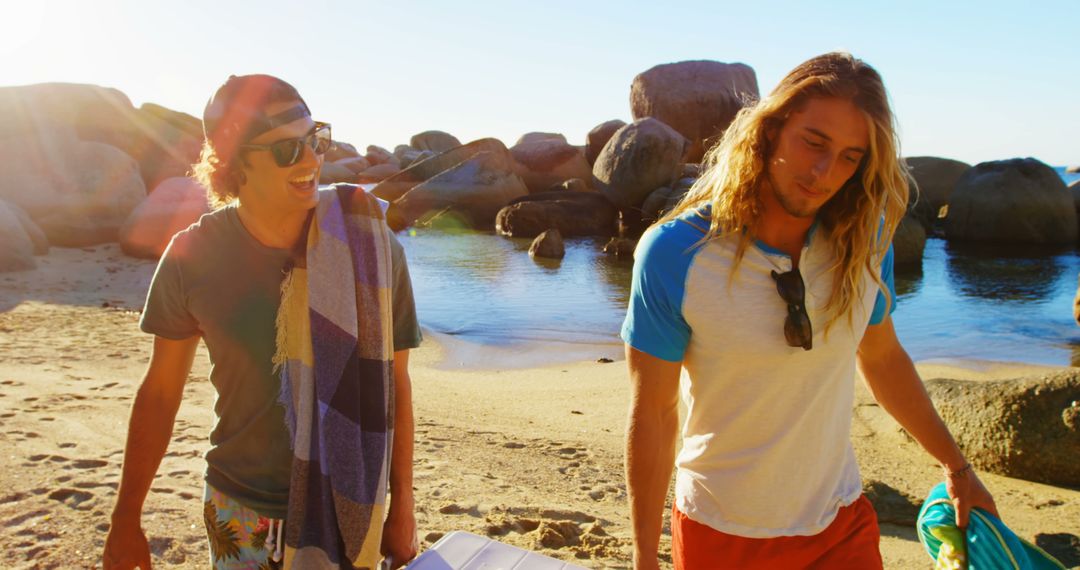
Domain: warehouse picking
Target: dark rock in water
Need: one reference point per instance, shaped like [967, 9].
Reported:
[1025, 427]
[697, 98]
[435, 141]
[892, 506]
[934, 179]
[535, 137]
[572, 213]
[909, 243]
[1017, 201]
[476, 189]
[173, 206]
[655, 204]
[16, 248]
[548, 244]
[1073, 169]
[397, 185]
[548, 162]
[1061, 545]
[598, 137]
[639, 158]
[620, 247]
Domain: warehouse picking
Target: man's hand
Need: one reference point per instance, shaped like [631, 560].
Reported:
[126, 548]
[967, 491]
[399, 541]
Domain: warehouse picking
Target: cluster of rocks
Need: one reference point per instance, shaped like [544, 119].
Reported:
[81, 165]
[1020, 201]
[78, 160]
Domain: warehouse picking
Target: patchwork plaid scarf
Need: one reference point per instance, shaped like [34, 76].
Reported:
[334, 356]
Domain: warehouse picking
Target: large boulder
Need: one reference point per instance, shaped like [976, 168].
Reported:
[397, 185]
[572, 213]
[79, 193]
[548, 244]
[435, 141]
[161, 141]
[599, 136]
[909, 241]
[934, 179]
[475, 190]
[379, 155]
[180, 120]
[1017, 201]
[639, 158]
[1025, 427]
[378, 173]
[697, 98]
[173, 206]
[548, 162]
[340, 151]
[1074, 191]
[535, 137]
[16, 247]
[332, 173]
[38, 240]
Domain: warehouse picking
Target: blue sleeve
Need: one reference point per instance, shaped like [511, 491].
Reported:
[654, 319]
[880, 304]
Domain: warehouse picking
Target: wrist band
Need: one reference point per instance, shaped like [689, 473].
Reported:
[967, 467]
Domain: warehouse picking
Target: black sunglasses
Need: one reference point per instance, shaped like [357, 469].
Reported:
[797, 328]
[287, 152]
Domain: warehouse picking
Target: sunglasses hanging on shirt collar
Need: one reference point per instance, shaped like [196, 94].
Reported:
[797, 329]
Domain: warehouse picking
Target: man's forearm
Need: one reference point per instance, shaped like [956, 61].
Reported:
[897, 387]
[401, 463]
[650, 457]
[149, 431]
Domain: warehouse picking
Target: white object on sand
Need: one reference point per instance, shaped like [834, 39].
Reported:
[461, 550]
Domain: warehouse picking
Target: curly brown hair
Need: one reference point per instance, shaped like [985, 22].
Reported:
[221, 178]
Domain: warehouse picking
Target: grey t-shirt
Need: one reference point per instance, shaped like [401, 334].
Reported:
[217, 281]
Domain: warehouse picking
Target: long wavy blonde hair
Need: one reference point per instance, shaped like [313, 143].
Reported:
[735, 169]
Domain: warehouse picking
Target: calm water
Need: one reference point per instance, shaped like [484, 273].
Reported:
[966, 303]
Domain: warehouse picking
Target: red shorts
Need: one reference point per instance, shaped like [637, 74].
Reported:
[851, 541]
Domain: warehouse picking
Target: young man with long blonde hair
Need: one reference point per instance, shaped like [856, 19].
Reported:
[764, 289]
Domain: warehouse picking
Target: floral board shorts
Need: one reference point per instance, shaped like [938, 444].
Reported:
[240, 539]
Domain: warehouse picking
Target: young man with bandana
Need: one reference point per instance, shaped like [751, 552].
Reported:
[283, 474]
[764, 289]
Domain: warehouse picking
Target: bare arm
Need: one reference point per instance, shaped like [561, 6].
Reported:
[399, 532]
[895, 384]
[650, 447]
[149, 431]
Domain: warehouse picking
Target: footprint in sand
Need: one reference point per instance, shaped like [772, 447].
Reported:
[73, 498]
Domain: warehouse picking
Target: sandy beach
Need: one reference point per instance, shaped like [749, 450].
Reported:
[529, 456]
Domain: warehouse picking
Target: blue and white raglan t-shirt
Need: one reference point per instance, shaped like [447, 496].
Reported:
[766, 440]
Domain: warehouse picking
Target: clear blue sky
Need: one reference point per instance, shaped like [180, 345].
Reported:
[969, 80]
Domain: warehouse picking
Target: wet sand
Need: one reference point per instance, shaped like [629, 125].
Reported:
[528, 455]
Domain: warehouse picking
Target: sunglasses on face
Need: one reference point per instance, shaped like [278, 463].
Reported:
[797, 329]
[287, 152]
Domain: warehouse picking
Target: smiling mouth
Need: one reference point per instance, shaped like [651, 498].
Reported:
[303, 182]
